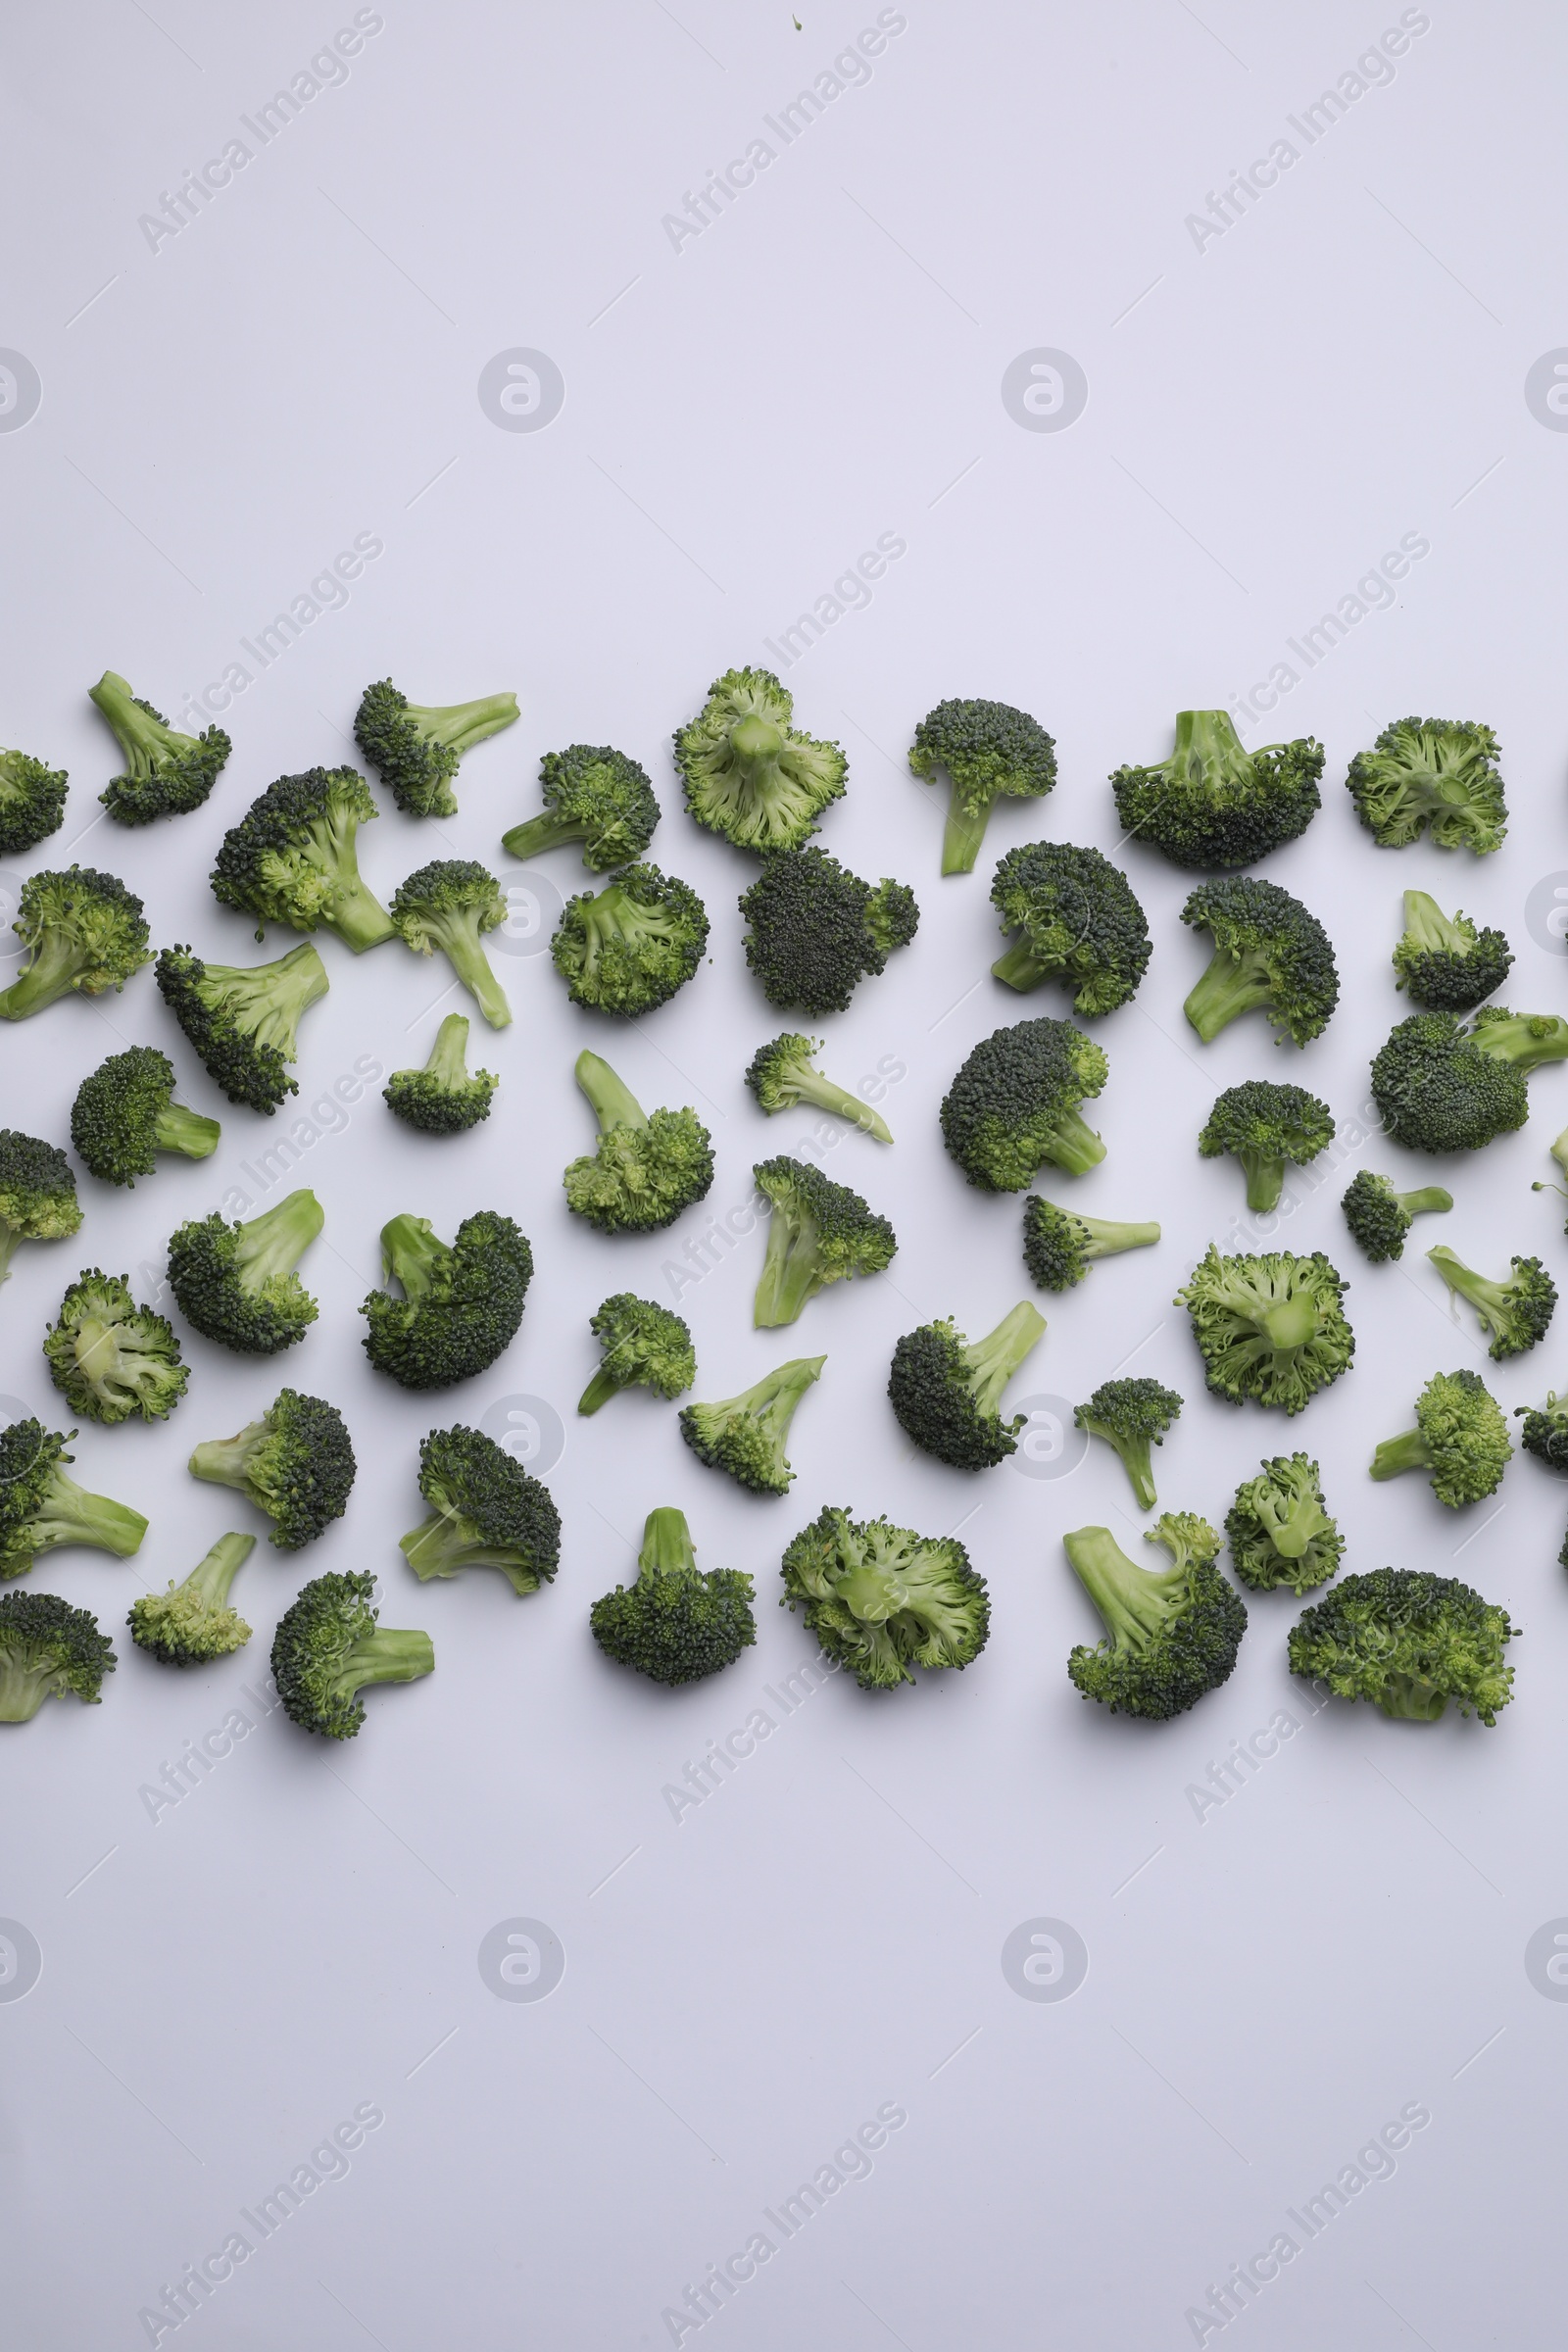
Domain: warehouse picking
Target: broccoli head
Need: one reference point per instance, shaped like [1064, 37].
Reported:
[1269, 955]
[1271, 1328]
[646, 1170]
[415, 750]
[195, 1621]
[37, 1195]
[782, 1075]
[1440, 1086]
[631, 946]
[882, 1599]
[819, 1232]
[293, 859]
[486, 1511]
[1380, 1218]
[236, 1284]
[748, 774]
[110, 1357]
[1171, 1634]
[1132, 1416]
[1447, 963]
[243, 1024]
[41, 1508]
[1265, 1126]
[33, 802]
[462, 1300]
[1059, 1245]
[678, 1623]
[125, 1113]
[1546, 1429]
[167, 773]
[451, 904]
[643, 1345]
[296, 1464]
[81, 930]
[1079, 922]
[49, 1650]
[1410, 1642]
[814, 930]
[595, 796]
[1461, 1439]
[746, 1436]
[1440, 773]
[329, 1647]
[988, 751]
[1279, 1531]
[946, 1395]
[1014, 1106]
[442, 1098]
[1215, 805]
[1514, 1313]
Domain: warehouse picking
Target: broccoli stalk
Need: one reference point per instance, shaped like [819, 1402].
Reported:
[296, 1464]
[48, 1651]
[946, 1395]
[1059, 1245]
[444, 1098]
[594, 795]
[675, 1625]
[646, 1170]
[194, 1621]
[746, 1435]
[989, 751]
[1280, 1532]
[1132, 1416]
[81, 930]
[1380, 1218]
[42, 1507]
[415, 750]
[293, 859]
[1514, 1313]
[243, 1021]
[450, 903]
[329, 1647]
[167, 773]
[781, 1076]
[1170, 1636]
[818, 1232]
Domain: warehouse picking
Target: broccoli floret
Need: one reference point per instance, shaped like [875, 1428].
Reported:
[1514, 1313]
[643, 1345]
[678, 1623]
[415, 750]
[746, 1435]
[1380, 1218]
[451, 904]
[486, 1511]
[882, 1599]
[40, 1507]
[442, 1098]
[989, 751]
[1171, 1634]
[81, 930]
[1447, 963]
[948, 1395]
[1132, 1416]
[37, 1195]
[1279, 1531]
[33, 802]
[329, 1647]
[1441, 1086]
[1013, 1105]
[593, 795]
[1441, 773]
[1271, 1328]
[462, 1300]
[1213, 805]
[292, 858]
[167, 773]
[125, 1113]
[1080, 923]
[1546, 1429]
[296, 1464]
[49, 1650]
[645, 1170]
[781, 1076]
[110, 1357]
[814, 930]
[748, 774]
[236, 1284]
[819, 1232]
[243, 1023]
[1461, 1438]
[631, 946]
[194, 1621]
[1059, 1245]
[1410, 1642]
[1265, 1126]
[1269, 955]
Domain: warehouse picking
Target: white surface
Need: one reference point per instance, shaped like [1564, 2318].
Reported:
[1265, 1988]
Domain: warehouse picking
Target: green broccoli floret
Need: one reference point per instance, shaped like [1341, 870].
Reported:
[451, 904]
[1080, 923]
[1269, 955]
[236, 1284]
[1271, 1328]
[1279, 1531]
[243, 1023]
[293, 859]
[442, 1098]
[593, 795]
[415, 750]
[110, 1357]
[819, 1232]
[1013, 1105]
[1265, 1126]
[82, 931]
[882, 1599]
[486, 1511]
[631, 946]
[1213, 805]
[49, 1650]
[748, 774]
[167, 773]
[1410, 1642]
[643, 1345]
[1132, 1416]
[194, 1621]
[781, 1076]
[948, 1395]
[1461, 1438]
[645, 1170]
[41, 1508]
[1171, 1635]
[462, 1300]
[33, 802]
[746, 1436]
[1546, 1429]
[814, 930]
[1380, 1218]
[678, 1623]
[125, 1113]
[1514, 1313]
[296, 1464]
[988, 751]
[1437, 773]
[1447, 963]
[1441, 1086]
[329, 1647]
[37, 1195]
[1059, 1245]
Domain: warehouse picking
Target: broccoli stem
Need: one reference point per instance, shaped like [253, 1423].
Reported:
[385, 1656]
[1132, 1602]
[1291, 1324]
[11, 1242]
[598, 1390]
[68, 1514]
[1517, 1041]
[1409, 1699]
[1409, 1450]
[26, 1682]
[460, 725]
[792, 1268]
[439, 1546]
[756, 744]
[409, 1253]
[615, 1105]
[969, 816]
[1490, 1299]
[993, 1360]
[226, 1461]
[458, 930]
[1104, 1239]
[49, 973]
[448, 1064]
[177, 1128]
[1294, 1527]
[1231, 986]
[1265, 1179]
[813, 1086]
[542, 833]
[1428, 930]
[1074, 1147]
[667, 1547]
[1426, 1199]
[1020, 967]
[360, 920]
[142, 739]
[1559, 1152]
[211, 1579]
[272, 1244]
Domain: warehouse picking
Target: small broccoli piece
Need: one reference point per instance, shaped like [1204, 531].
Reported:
[451, 904]
[1132, 1416]
[1514, 1313]
[1080, 923]
[415, 750]
[988, 751]
[1014, 1106]
[746, 1435]
[293, 859]
[882, 1599]
[593, 795]
[1546, 1429]
[678, 1623]
[167, 773]
[125, 1113]
[329, 1647]
[1265, 1126]
[1461, 1438]
[1215, 805]
[110, 1357]
[296, 1464]
[819, 1232]
[486, 1511]
[49, 1650]
[643, 1345]
[462, 1300]
[631, 946]
[1279, 1531]
[781, 1076]
[243, 1024]
[948, 1395]
[33, 802]
[1171, 1635]
[646, 1170]
[236, 1284]
[1269, 955]
[194, 1621]
[748, 774]
[1271, 1328]
[1380, 1218]
[82, 931]
[814, 930]
[37, 1195]
[442, 1098]
[1441, 1086]
[1447, 963]
[1059, 1245]
[41, 1508]
[1437, 773]
[1410, 1642]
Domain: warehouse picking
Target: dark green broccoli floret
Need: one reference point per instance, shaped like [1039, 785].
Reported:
[593, 795]
[462, 1300]
[1380, 1218]
[110, 1357]
[40, 1507]
[1279, 1531]
[748, 774]
[293, 859]
[1441, 1086]
[442, 1098]
[1271, 1328]
[49, 1650]
[1059, 1245]
[1546, 1429]
[988, 751]
[1514, 1313]
[1080, 923]
[329, 1647]
[645, 1170]
[1013, 1105]
[451, 904]
[781, 1076]
[194, 1621]
[415, 749]
[1461, 1438]
[37, 1195]
[1171, 1635]
[296, 1464]
[1265, 1126]
[819, 1232]
[948, 1395]
[81, 930]
[631, 946]
[33, 802]
[678, 1623]
[1132, 1416]
[814, 930]
[486, 1511]
[243, 1022]
[1447, 963]
[1269, 955]
[167, 773]
[644, 1347]
[237, 1284]
[1441, 773]
[1410, 1642]
[1213, 804]
[881, 1599]
[746, 1435]
[125, 1113]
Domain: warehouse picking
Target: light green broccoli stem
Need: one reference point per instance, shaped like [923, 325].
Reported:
[1231, 986]
[1409, 1699]
[542, 833]
[1491, 1299]
[177, 1128]
[1209, 752]
[68, 1514]
[448, 1064]
[1020, 967]
[1293, 1524]
[1428, 930]
[1409, 1450]
[144, 741]
[1074, 1145]
[614, 1104]
[993, 1361]
[230, 1461]
[211, 1579]
[409, 1253]
[384, 1655]
[792, 1269]
[666, 1546]
[1131, 1602]
[1265, 1178]
[444, 1543]
[811, 1087]
[460, 725]
[1105, 1238]
[458, 930]
[1290, 1325]
[360, 920]
[11, 1242]
[599, 1390]
[28, 1677]
[55, 964]
[1136, 1451]
[272, 1244]
[1526, 1040]
[968, 814]
[1427, 1200]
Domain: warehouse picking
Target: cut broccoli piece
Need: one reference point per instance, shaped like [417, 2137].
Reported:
[748, 774]
[41, 1508]
[1447, 963]
[37, 1195]
[819, 1232]
[110, 1357]
[486, 1511]
[1215, 805]
[988, 751]
[1514, 1313]
[1265, 1126]
[1271, 1328]
[631, 946]
[243, 1024]
[1269, 955]
[82, 931]
[167, 773]
[33, 802]
[462, 1300]
[814, 930]
[1279, 1531]
[1080, 924]
[678, 1623]
[1441, 1086]
[296, 1464]
[415, 750]
[1437, 773]
[236, 1284]
[1410, 1642]
[1380, 1218]
[125, 1113]
[1132, 1416]
[1059, 1245]
[293, 859]
[194, 1621]
[882, 1599]
[1171, 1635]
[1014, 1106]
[1461, 1438]
[442, 1098]
[329, 1647]
[948, 1395]
[646, 1170]
[746, 1436]
[593, 795]
[451, 904]
[643, 1345]
[1546, 1429]
[782, 1075]
[49, 1650]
